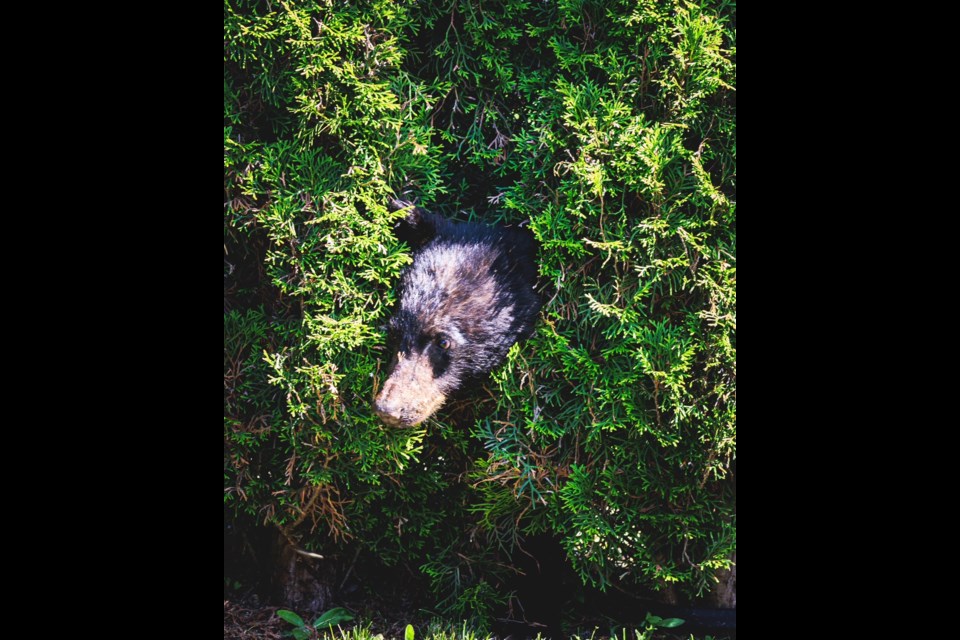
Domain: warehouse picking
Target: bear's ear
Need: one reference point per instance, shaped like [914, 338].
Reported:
[419, 227]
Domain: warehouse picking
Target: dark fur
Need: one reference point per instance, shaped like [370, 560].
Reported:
[471, 288]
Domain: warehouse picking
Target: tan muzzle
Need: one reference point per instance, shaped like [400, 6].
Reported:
[410, 395]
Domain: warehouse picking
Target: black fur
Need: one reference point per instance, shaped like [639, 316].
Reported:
[466, 299]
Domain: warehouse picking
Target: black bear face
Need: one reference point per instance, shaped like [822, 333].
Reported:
[465, 300]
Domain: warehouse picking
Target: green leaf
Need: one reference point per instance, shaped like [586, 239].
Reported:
[408, 632]
[302, 633]
[291, 617]
[652, 619]
[670, 623]
[332, 617]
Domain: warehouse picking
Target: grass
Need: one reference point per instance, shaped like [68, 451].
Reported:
[263, 623]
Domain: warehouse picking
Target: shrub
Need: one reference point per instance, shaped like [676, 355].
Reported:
[609, 127]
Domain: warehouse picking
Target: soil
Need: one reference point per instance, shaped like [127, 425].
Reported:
[244, 623]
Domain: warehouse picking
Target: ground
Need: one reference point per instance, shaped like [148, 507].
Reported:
[251, 621]
[244, 623]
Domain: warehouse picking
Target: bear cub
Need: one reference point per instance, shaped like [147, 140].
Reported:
[466, 299]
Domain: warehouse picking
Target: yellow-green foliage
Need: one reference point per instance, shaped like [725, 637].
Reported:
[609, 127]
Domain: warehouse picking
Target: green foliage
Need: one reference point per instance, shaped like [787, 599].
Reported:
[610, 129]
[663, 623]
[437, 630]
[291, 617]
[332, 617]
[303, 631]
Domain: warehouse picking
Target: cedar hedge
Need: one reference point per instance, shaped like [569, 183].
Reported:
[607, 127]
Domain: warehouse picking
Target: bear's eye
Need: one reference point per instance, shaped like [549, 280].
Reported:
[444, 343]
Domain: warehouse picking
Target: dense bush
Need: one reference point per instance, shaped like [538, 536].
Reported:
[608, 127]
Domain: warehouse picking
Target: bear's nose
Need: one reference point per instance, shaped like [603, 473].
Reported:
[389, 413]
